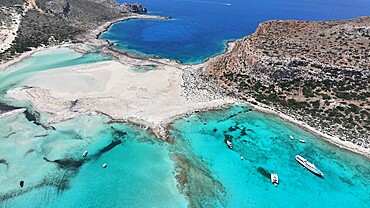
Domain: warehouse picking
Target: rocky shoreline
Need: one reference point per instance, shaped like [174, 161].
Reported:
[275, 67]
[196, 85]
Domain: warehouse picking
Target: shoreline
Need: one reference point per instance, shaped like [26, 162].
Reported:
[91, 37]
[348, 146]
[160, 128]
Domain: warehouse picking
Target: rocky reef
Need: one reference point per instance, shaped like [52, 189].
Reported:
[317, 72]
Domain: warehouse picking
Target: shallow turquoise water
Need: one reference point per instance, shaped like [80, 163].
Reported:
[139, 171]
[46, 60]
[267, 144]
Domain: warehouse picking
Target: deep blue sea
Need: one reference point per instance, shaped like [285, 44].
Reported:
[143, 171]
[199, 29]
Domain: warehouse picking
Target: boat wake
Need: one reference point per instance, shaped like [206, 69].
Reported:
[206, 2]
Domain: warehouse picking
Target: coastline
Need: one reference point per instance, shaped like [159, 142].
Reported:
[91, 37]
[160, 126]
[348, 146]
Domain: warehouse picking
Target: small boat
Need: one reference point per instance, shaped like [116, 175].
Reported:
[302, 141]
[104, 165]
[229, 144]
[310, 166]
[274, 178]
[241, 157]
[291, 137]
[85, 153]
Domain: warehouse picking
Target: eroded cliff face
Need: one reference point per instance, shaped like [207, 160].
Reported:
[317, 72]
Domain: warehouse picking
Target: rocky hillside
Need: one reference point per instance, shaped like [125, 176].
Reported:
[57, 20]
[317, 72]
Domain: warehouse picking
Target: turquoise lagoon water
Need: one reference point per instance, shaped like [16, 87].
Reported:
[199, 29]
[139, 171]
[263, 141]
[46, 60]
[143, 172]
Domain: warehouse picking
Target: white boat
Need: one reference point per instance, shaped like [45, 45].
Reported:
[104, 165]
[274, 178]
[241, 157]
[85, 153]
[291, 137]
[229, 144]
[302, 141]
[310, 166]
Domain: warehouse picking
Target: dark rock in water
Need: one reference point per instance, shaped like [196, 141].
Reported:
[3, 161]
[21, 184]
[135, 8]
[228, 137]
[345, 180]
[34, 117]
[231, 129]
[30, 117]
[5, 107]
[110, 146]
[67, 163]
[243, 132]
[237, 126]
[214, 130]
[264, 172]
[119, 134]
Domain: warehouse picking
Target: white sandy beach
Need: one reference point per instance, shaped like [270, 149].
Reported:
[113, 89]
[152, 98]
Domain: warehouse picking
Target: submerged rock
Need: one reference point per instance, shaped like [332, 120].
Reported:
[264, 172]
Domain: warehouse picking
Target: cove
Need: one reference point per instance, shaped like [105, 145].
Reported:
[200, 29]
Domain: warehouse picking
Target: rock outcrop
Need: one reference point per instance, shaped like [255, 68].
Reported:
[135, 8]
[317, 72]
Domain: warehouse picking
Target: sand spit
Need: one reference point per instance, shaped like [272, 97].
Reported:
[116, 90]
[125, 90]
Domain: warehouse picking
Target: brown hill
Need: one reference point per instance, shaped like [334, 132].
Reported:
[317, 72]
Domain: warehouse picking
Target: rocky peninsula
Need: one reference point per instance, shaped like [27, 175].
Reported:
[314, 71]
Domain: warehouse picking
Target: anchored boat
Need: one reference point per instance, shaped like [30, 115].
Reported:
[310, 166]
[229, 144]
[85, 153]
[274, 179]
